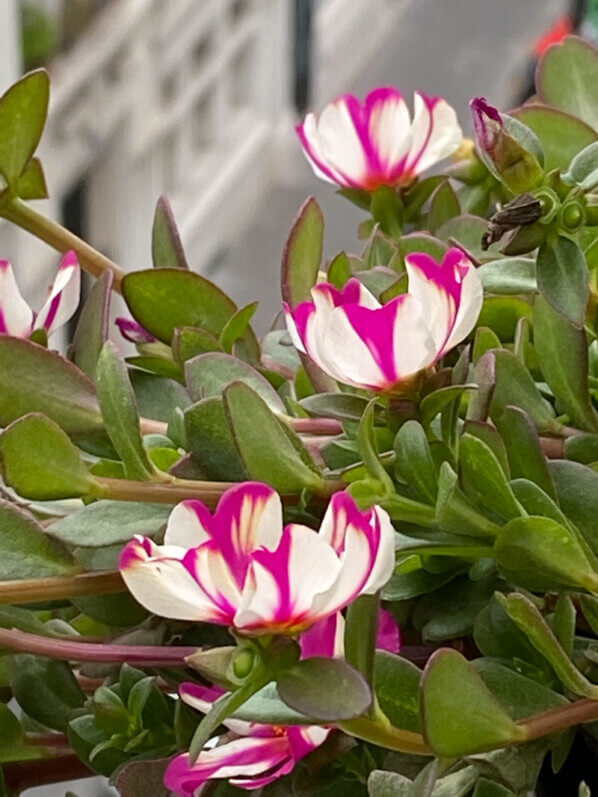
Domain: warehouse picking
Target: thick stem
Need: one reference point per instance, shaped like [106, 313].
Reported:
[316, 426]
[68, 650]
[33, 590]
[557, 719]
[61, 239]
[181, 489]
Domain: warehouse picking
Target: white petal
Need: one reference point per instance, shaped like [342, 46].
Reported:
[385, 559]
[389, 124]
[435, 133]
[472, 299]
[64, 296]
[438, 305]
[16, 317]
[413, 344]
[345, 356]
[187, 525]
[339, 142]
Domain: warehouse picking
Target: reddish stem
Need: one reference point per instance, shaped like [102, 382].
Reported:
[316, 425]
[67, 650]
[21, 775]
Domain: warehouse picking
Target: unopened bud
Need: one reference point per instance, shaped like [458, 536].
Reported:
[243, 662]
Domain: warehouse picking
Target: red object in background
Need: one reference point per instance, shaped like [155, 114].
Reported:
[563, 27]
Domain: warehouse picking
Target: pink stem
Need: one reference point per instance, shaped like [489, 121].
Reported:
[316, 425]
[143, 655]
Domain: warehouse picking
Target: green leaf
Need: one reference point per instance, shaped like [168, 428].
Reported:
[157, 396]
[468, 231]
[210, 440]
[397, 690]
[46, 690]
[119, 410]
[237, 326]
[120, 610]
[209, 374]
[563, 356]
[526, 459]
[562, 275]
[110, 522]
[345, 406]
[26, 551]
[459, 713]
[485, 340]
[529, 620]
[339, 270]
[520, 696]
[414, 461]
[403, 586]
[490, 436]
[435, 402]
[40, 462]
[32, 183]
[188, 342]
[562, 136]
[538, 551]
[266, 707]
[368, 449]
[388, 784]
[589, 605]
[361, 632]
[92, 327]
[163, 299]
[535, 501]
[564, 621]
[444, 205]
[583, 169]
[167, 249]
[326, 689]
[509, 276]
[567, 78]
[23, 111]
[577, 493]
[455, 512]
[583, 448]
[34, 379]
[270, 451]
[387, 210]
[515, 386]
[484, 477]
[503, 313]
[302, 254]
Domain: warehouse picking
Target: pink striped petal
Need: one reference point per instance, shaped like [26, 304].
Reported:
[324, 638]
[131, 330]
[160, 581]
[64, 296]
[16, 317]
[189, 525]
[389, 634]
[470, 306]
[388, 124]
[435, 133]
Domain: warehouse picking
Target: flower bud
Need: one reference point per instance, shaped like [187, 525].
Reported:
[243, 662]
[504, 144]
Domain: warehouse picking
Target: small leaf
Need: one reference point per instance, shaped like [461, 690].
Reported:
[211, 441]
[435, 402]
[387, 210]
[444, 205]
[40, 462]
[459, 714]
[270, 451]
[562, 135]
[538, 550]
[468, 231]
[509, 276]
[23, 110]
[526, 459]
[32, 183]
[564, 622]
[46, 690]
[110, 522]
[209, 374]
[414, 461]
[583, 169]
[562, 275]
[92, 327]
[326, 689]
[345, 406]
[455, 512]
[237, 326]
[266, 707]
[397, 690]
[577, 493]
[520, 696]
[188, 342]
[167, 249]
[368, 449]
[563, 356]
[529, 620]
[302, 254]
[33, 379]
[361, 631]
[485, 339]
[484, 478]
[26, 551]
[119, 410]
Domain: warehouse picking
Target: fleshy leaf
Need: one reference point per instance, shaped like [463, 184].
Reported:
[303, 254]
[167, 249]
[92, 327]
[562, 275]
[23, 110]
[567, 78]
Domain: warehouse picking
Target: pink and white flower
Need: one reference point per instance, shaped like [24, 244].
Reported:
[377, 143]
[19, 320]
[241, 568]
[260, 754]
[359, 342]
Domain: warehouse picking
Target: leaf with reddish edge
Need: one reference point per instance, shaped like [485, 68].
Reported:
[23, 110]
[302, 254]
[92, 327]
[34, 379]
[562, 135]
[167, 249]
[459, 713]
[32, 183]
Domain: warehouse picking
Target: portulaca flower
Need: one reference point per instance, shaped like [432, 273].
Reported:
[19, 320]
[240, 568]
[359, 342]
[376, 143]
[260, 754]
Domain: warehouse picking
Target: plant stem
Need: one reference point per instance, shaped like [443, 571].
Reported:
[317, 426]
[557, 719]
[61, 239]
[67, 650]
[181, 489]
[32, 590]
[21, 775]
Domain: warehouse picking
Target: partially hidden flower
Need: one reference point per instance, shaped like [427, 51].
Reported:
[134, 332]
[510, 150]
[366, 145]
[256, 754]
[241, 568]
[359, 342]
[19, 320]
